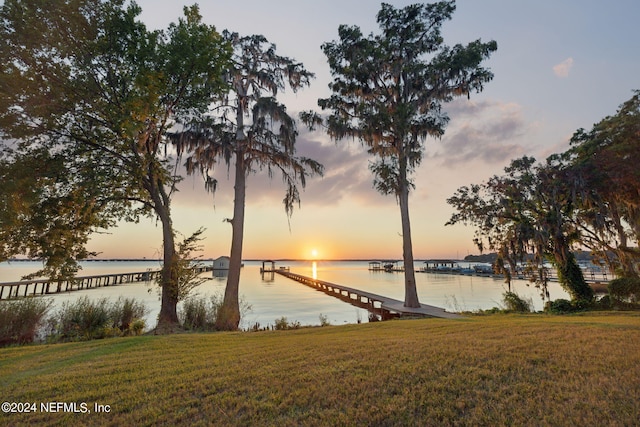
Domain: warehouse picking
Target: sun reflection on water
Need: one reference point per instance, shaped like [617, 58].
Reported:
[314, 270]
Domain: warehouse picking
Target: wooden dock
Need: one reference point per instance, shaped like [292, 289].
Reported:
[38, 287]
[386, 307]
[596, 277]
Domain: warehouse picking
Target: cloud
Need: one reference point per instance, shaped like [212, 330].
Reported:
[487, 131]
[562, 69]
[346, 176]
[346, 173]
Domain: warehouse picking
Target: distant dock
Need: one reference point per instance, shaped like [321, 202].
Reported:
[387, 266]
[386, 307]
[266, 269]
[597, 278]
[38, 287]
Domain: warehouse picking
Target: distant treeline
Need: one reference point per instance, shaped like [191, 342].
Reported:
[491, 257]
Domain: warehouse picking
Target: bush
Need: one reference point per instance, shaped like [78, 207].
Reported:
[513, 302]
[625, 289]
[562, 306]
[85, 319]
[604, 303]
[20, 319]
[137, 327]
[199, 314]
[82, 320]
[559, 306]
[582, 304]
[324, 320]
[127, 314]
[283, 324]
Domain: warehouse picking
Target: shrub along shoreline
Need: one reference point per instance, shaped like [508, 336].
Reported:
[27, 320]
[483, 370]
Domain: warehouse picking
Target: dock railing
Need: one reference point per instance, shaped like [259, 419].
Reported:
[385, 307]
[38, 287]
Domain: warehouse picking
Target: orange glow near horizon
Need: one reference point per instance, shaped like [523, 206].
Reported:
[313, 251]
[144, 240]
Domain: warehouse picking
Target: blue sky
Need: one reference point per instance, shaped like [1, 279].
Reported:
[560, 65]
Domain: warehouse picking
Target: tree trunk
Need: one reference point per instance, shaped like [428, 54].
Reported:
[624, 263]
[569, 273]
[168, 317]
[410, 291]
[228, 317]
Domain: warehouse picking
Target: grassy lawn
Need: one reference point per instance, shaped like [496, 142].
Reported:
[485, 370]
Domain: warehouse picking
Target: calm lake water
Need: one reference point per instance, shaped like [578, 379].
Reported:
[273, 296]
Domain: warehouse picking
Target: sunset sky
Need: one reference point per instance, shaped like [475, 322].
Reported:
[559, 66]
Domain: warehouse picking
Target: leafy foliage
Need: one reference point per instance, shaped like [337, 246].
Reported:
[585, 196]
[625, 289]
[86, 84]
[39, 201]
[559, 306]
[388, 90]
[283, 324]
[251, 125]
[606, 178]
[186, 266]
[527, 210]
[86, 319]
[21, 319]
[513, 302]
[199, 314]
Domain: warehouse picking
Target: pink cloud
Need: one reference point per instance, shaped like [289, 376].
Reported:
[562, 69]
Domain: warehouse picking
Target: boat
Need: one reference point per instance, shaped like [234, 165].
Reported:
[392, 266]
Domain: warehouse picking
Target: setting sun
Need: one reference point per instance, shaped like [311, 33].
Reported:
[314, 250]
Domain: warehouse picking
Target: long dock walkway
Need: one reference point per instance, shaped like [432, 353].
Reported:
[386, 307]
[37, 287]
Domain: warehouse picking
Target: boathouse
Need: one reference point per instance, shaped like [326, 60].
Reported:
[441, 265]
[221, 263]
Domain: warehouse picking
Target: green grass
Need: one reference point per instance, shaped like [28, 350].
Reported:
[485, 370]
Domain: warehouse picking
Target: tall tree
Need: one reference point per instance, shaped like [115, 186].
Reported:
[604, 160]
[253, 132]
[527, 211]
[88, 83]
[388, 91]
